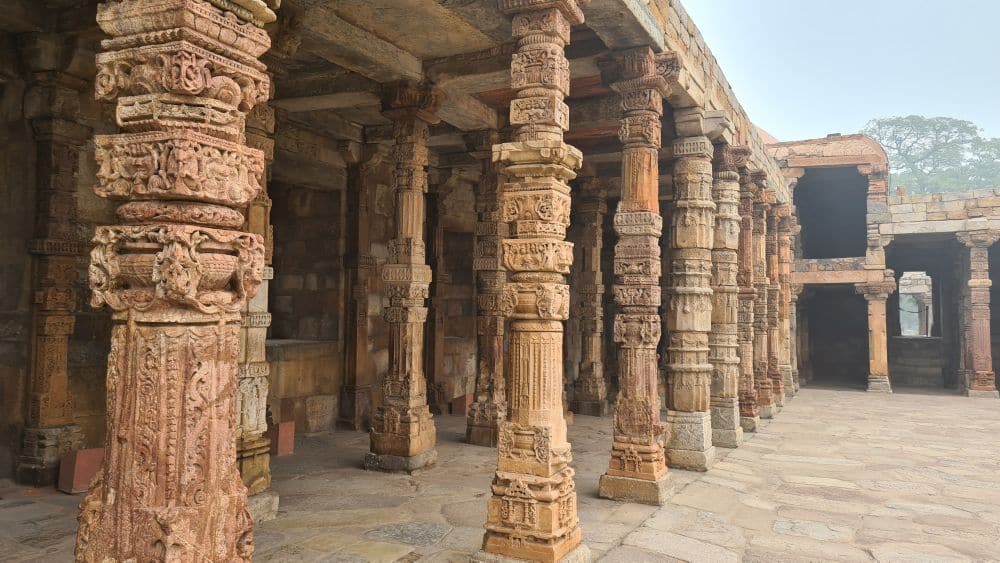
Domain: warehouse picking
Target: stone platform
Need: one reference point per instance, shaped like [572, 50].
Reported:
[838, 475]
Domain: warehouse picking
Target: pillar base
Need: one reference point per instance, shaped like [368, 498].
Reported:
[788, 382]
[253, 457]
[795, 381]
[879, 384]
[263, 506]
[355, 408]
[642, 491]
[579, 554]
[481, 435]
[591, 408]
[750, 423]
[568, 416]
[690, 445]
[726, 429]
[38, 464]
[400, 464]
[982, 394]
[768, 411]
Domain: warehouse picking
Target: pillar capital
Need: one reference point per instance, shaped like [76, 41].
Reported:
[879, 290]
[409, 100]
[982, 238]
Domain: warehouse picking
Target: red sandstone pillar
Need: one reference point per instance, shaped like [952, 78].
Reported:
[876, 294]
[749, 408]
[176, 274]
[979, 376]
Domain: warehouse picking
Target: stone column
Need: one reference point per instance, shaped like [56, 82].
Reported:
[876, 294]
[356, 393]
[403, 434]
[532, 511]
[50, 431]
[723, 341]
[434, 351]
[795, 290]
[749, 408]
[638, 470]
[774, 303]
[787, 228]
[490, 406]
[761, 331]
[590, 391]
[979, 377]
[689, 314]
[253, 449]
[176, 275]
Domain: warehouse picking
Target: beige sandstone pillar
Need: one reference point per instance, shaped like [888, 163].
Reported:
[176, 274]
[50, 431]
[356, 392]
[532, 512]
[774, 303]
[761, 332]
[787, 228]
[795, 290]
[403, 434]
[637, 470]
[253, 448]
[590, 390]
[723, 341]
[876, 294]
[490, 406]
[689, 314]
[979, 377]
[749, 407]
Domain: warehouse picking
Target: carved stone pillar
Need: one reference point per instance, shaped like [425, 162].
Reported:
[761, 332]
[749, 408]
[50, 431]
[490, 406]
[356, 393]
[403, 434]
[532, 512]
[253, 449]
[795, 290]
[723, 341]
[978, 377]
[689, 314]
[176, 275]
[774, 303]
[434, 351]
[876, 294]
[787, 227]
[590, 391]
[638, 470]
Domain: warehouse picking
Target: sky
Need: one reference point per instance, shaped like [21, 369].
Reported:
[806, 68]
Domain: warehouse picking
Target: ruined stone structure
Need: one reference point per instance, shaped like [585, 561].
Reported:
[352, 214]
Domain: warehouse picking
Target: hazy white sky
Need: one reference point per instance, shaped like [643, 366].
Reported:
[806, 68]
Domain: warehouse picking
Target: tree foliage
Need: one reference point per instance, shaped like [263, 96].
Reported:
[937, 154]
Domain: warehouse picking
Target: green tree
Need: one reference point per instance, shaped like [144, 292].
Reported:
[937, 154]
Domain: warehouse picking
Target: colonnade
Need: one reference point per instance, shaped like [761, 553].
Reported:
[180, 270]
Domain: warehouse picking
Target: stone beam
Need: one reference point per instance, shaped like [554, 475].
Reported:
[353, 48]
[625, 23]
[467, 113]
[324, 92]
[483, 15]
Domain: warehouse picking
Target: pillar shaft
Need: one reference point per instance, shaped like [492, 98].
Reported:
[490, 405]
[253, 448]
[876, 294]
[795, 290]
[774, 306]
[637, 470]
[403, 434]
[749, 408]
[723, 341]
[356, 393]
[689, 314]
[176, 275]
[532, 512]
[590, 390]
[761, 332]
[50, 430]
[975, 335]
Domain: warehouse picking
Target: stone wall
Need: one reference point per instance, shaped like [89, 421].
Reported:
[916, 361]
[943, 212]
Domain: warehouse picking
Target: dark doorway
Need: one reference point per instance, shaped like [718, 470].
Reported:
[832, 205]
[838, 336]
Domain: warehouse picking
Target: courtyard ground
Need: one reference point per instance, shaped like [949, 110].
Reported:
[838, 476]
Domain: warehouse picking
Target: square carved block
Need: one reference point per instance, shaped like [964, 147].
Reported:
[78, 468]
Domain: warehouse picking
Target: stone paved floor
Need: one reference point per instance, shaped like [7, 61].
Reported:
[839, 475]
